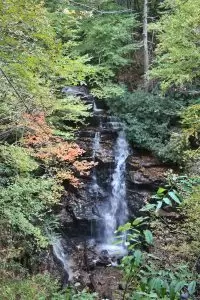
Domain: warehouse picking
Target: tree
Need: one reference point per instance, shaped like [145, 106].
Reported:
[145, 41]
[177, 59]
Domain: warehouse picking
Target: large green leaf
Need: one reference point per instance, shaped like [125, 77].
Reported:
[138, 257]
[167, 201]
[148, 236]
[179, 286]
[148, 207]
[192, 287]
[139, 220]
[159, 205]
[174, 197]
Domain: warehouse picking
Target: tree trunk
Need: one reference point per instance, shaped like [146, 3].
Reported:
[145, 42]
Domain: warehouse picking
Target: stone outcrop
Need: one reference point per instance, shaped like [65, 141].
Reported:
[81, 210]
[144, 172]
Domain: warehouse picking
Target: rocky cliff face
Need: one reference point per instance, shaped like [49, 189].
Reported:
[144, 173]
[120, 175]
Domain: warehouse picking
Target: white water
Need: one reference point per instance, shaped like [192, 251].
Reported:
[95, 188]
[97, 110]
[118, 212]
[96, 144]
[63, 257]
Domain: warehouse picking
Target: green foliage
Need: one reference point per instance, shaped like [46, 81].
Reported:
[108, 90]
[25, 205]
[34, 62]
[164, 197]
[176, 189]
[184, 144]
[109, 39]
[191, 211]
[40, 287]
[144, 278]
[37, 287]
[149, 118]
[69, 113]
[191, 132]
[27, 50]
[135, 235]
[53, 5]
[163, 284]
[177, 54]
[17, 160]
[72, 294]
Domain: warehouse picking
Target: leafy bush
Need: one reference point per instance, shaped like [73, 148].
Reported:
[40, 287]
[67, 115]
[17, 159]
[144, 279]
[184, 143]
[174, 192]
[149, 118]
[191, 211]
[37, 287]
[136, 236]
[26, 203]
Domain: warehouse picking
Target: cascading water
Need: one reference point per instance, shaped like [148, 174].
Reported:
[107, 185]
[61, 255]
[95, 188]
[118, 212]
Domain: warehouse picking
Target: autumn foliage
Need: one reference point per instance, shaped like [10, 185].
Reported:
[60, 157]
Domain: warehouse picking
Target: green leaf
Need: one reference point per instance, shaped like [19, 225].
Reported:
[138, 257]
[148, 207]
[138, 221]
[148, 237]
[124, 227]
[167, 201]
[161, 191]
[159, 205]
[174, 197]
[192, 287]
[179, 286]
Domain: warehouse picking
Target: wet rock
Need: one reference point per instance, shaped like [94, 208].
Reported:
[136, 199]
[104, 258]
[145, 170]
[77, 91]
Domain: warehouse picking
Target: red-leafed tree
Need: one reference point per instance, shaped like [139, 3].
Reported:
[60, 158]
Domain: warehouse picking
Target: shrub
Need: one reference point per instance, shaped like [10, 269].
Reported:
[36, 287]
[191, 210]
[17, 159]
[149, 118]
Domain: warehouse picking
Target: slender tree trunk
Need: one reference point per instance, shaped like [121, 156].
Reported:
[145, 42]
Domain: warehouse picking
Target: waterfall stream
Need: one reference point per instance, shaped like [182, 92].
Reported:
[113, 211]
[95, 188]
[118, 212]
[106, 144]
[63, 257]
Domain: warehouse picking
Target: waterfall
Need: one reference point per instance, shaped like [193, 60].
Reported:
[61, 255]
[95, 188]
[113, 208]
[118, 212]
[96, 144]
